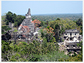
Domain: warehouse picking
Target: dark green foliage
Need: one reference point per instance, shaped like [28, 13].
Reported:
[5, 46]
[43, 24]
[36, 43]
[5, 50]
[35, 57]
[53, 40]
[81, 28]
[7, 22]
[47, 33]
[9, 17]
[18, 20]
[34, 52]
[42, 34]
[13, 18]
[6, 36]
[28, 52]
[58, 19]
[79, 22]
[44, 44]
[5, 29]
[61, 31]
[57, 26]
[80, 44]
[33, 19]
[15, 57]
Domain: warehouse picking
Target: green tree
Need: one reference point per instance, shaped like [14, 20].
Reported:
[58, 19]
[5, 29]
[53, 40]
[44, 44]
[79, 22]
[9, 17]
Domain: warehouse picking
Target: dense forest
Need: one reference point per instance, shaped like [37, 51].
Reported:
[52, 17]
[51, 29]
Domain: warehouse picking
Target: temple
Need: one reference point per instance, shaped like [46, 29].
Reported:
[71, 39]
[27, 25]
[28, 29]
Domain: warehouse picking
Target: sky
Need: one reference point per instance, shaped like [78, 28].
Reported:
[42, 7]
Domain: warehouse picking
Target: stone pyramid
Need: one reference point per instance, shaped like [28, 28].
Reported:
[27, 25]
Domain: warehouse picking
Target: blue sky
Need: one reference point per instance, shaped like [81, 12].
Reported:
[42, 7]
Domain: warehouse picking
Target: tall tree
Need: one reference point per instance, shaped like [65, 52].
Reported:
[9, 16]
[79, 22]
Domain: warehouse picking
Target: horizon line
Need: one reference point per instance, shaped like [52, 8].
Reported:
[44, 14]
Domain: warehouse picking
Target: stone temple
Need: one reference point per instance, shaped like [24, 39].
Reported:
[26, 26]
[27, 29]
[71, 39]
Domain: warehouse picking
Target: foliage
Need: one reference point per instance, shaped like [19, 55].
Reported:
[44, 44]
[58, 18]
[6, 36]
[13, 18]
[15, 30]
[43, 24]
[5, 29]
[35, 51]
[66, 24]
[47, 33]
[79, 22]
[53, 56]
[60, 25]
[26, 52]
[10, 17]
[36, 22]
[80, 27]
[5, 50]
[18, 20]
[52, 17]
